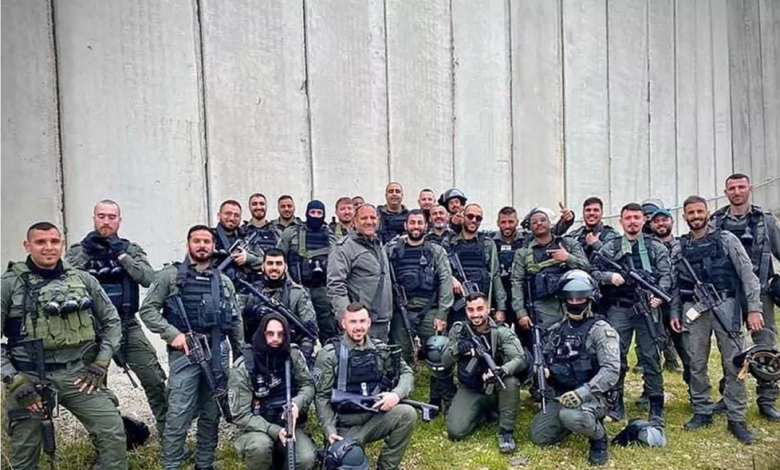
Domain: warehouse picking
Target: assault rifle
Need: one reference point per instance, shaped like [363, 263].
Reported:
[481, 350]
[280, 309]
[289, 429]
[644, 285]
[48, 394]
[120, 359]
[707, 298]
[541, 380]
[200, 354]
[401, 302]
[366, 402]
[237, 245]
[469, 287]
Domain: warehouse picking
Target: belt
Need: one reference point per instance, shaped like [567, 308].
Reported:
[23, 366]
[726, 294]
[624, 303]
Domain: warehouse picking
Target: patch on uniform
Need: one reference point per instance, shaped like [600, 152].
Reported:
[610, 333]
[316, 373]
[232, 399]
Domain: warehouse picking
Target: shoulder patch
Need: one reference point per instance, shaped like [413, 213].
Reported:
[316, 374]
[610, 333]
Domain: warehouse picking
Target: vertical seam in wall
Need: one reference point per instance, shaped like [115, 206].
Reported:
[452, 93]
[676, 147]
[648, 98]
[731, 96]
[609, 114]
[562, 52]
[60, 168]
[763, 98]
[714, 110]
[508, 4]
[202, 101]
[308, 100]
[387, 94]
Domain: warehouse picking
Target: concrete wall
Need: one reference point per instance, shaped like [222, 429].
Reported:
[171, 106]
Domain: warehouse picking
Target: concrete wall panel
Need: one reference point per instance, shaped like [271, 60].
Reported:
[345, 42]
[770, 60]
[628, 103]
[685, 77]
[30, 158]
[256, 105]
[663, 152]
[537, 105]
[419, 88]
[705, 99]
[131, 124]
[721, 86]
[483, 127]
[586, 100]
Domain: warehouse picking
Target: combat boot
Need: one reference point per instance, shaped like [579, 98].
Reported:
[656, 409]
[506, 441]
[740, 430]
[698, 421]
[618, 409]
[769, 412]
[642, 401]
[598, 453]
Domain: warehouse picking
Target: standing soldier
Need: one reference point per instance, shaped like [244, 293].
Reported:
[477, 255]
[484, 388]
[719, 261]
[454, 201]
[358, 272]
[629, 309]
[363, 365]
[536, 270]
[593, 233]
[195, 299]
[357, 201]
[50, 315]
[276, 286]
[259, 386]
[759, 232]
[422, 272]
[582, 364]
[286, 207]
[267, 234]
[508, 240]
[307, 247]
[345, 212]
[425, 201]
[439, 230]
[392, 215]
[120, 267]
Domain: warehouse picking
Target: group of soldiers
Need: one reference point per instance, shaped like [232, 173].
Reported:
[264, 318]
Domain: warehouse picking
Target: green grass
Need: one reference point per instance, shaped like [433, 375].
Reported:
[711, 448]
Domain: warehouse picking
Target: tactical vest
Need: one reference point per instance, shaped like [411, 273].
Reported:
[201, 295]
[471, 369]
[751, 231]
[266, 237]
[506, 255]
[359, 371]
[571, 365]
[414, 269]
[626, 291]
[543, 272]
[391, 224]
[472, 258]
[442, 240]
[582, 232]
[710, 262]
[59, 311]
[309, 264]
[116, 281]
[255, 310]
[271, 405]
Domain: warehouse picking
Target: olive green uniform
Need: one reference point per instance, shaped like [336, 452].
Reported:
[135, 348]
[66, 338]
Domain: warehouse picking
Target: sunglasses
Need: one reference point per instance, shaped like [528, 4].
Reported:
[478, 218]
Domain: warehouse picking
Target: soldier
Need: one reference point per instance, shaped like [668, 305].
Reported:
[120, 266]
[593, 233]
[536, 270]
[357, 201]
[508, 240]
[423, 272]
[393, 214]
[717, 258]
[623, 300]
[454, 201]
[345, 212]
[477, 255]
[582, 357]
[759, 232]
[286, 207]
[649, 207]
[193, 293]
[257, 383]
[307, 247]
[425, 201]
[357, 272]
[562, 225]
[480, 391]
[439, 230]
[294, 297]
[267, 233]
[50, 313]
[361, 364]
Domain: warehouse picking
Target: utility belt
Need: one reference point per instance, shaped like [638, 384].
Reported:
[24, 366]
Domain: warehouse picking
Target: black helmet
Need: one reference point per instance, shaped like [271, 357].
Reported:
[578, 283]
[346, 454]
[452, 193]
[136, 432]
[774, 289]
[763, 362]
[434, 347]
[648, 433]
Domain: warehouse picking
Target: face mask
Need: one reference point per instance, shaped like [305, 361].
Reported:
[576, 311]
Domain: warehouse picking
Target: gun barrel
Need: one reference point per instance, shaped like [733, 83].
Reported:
[281, 309]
